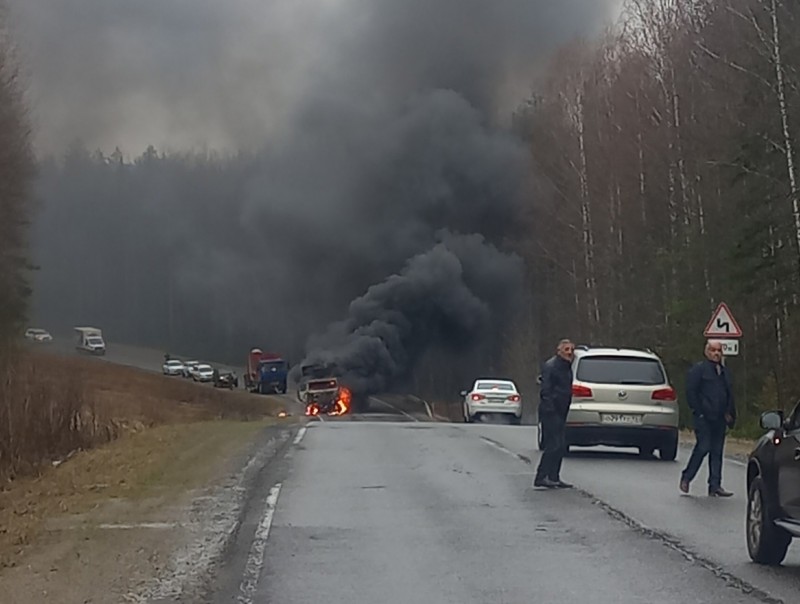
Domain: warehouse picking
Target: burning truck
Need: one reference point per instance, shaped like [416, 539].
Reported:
[321, 391]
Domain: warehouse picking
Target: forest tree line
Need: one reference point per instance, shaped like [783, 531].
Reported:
[669, 151]
[17, 167]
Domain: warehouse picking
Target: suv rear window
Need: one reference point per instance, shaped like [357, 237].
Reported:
[620, 370]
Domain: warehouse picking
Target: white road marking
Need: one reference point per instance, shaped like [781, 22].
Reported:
[255, 560]
[139, 525]
[409, 416]
[300, 435]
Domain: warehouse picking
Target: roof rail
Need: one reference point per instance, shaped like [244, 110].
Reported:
[582, 347]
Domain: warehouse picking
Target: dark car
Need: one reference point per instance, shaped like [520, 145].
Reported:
[226, 379]
[773, 488]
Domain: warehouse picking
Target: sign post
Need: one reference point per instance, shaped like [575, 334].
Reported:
[723, 327]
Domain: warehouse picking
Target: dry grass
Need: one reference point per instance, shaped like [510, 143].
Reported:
[52, 406]
[144, 469]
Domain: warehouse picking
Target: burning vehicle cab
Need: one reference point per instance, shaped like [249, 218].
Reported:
[321, 392]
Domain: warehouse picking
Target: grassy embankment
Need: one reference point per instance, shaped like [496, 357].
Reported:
[76, 431]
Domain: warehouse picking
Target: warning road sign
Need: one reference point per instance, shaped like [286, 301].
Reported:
[722, 324]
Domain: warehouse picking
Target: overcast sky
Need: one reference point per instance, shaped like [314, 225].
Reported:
[231, 74]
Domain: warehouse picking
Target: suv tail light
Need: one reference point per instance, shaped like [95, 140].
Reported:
[477, 397]
[514, 398]
[581, 391]
[665, 394]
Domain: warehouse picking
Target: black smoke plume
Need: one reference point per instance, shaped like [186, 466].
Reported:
[367, 145]
[450, 296]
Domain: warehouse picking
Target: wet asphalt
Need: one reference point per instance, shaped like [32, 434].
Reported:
[388, 507]
[363, 511]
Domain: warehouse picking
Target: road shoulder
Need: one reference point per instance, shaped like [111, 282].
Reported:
[141, 519]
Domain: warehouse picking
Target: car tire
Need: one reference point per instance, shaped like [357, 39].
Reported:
[668, 451]
[646, 451]
[766, 543]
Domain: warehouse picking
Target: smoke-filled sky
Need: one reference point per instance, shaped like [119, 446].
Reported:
[180, 73]
[383, 173]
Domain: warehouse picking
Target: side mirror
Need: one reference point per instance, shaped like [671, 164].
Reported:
[772, 420]
[463, 393]
[539, 379]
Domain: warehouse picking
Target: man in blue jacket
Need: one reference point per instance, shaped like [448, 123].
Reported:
[709, 393]
[555, 399]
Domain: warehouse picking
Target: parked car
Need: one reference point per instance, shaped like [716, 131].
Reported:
[226, 379]
[773, 488]
[38, 335]
[172, 367]
[622, 397]
[203, 373]
[189, 367]
[490, 396]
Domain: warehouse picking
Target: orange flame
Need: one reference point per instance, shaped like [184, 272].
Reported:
[343, 402]
[312, 409]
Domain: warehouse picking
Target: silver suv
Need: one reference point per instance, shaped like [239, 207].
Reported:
[622, 397]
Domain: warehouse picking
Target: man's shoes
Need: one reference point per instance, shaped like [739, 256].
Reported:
[684, 486]
[719, 492]
[545, 482]
[560, 484]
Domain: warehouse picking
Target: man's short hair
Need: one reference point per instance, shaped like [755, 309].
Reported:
[564, 341]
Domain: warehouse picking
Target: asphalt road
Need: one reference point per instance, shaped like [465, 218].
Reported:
[122, 354]
[377, 503]
[433, 512]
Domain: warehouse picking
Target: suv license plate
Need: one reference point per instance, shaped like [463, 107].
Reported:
[620, 418]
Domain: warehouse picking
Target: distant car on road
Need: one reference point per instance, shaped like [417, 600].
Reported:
[773, 488]
[90, 340]
[38, 335]
[203, 373]
[490, 396]
[622, 397]
[172, 367]
[189, 367]
[226, 379]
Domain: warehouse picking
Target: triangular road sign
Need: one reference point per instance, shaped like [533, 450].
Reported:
[722, 324]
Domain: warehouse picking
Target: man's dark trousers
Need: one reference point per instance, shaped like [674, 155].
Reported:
[555, 446]
[710, 441]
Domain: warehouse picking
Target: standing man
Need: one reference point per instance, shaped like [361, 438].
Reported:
[710, 396]
[555, 398]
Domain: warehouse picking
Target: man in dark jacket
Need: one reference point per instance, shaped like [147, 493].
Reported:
[554, 400]
[710, 396]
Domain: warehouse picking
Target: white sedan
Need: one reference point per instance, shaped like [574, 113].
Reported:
[173, 367]
[492, 397]
[203, 373]
[38, 335]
